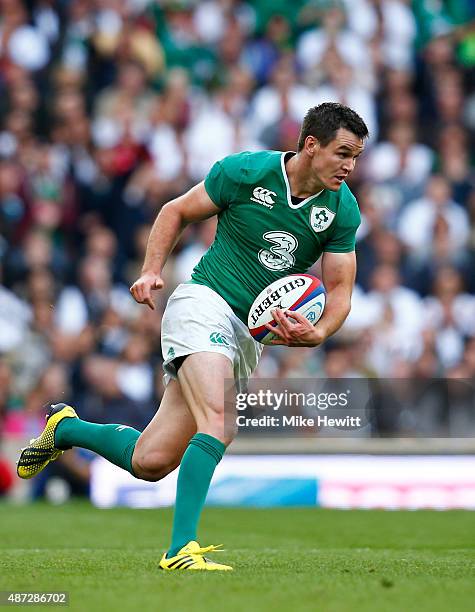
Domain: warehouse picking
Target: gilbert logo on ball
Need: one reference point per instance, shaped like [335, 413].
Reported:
[301, 293]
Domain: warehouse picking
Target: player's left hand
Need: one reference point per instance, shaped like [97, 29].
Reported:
[293, 329]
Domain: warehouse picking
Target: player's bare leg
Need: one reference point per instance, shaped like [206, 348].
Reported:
[162, 443]
[202, 379]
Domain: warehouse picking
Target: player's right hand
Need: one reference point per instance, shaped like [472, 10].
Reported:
[142, 289]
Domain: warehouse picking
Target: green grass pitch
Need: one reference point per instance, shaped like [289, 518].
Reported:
[285, 559]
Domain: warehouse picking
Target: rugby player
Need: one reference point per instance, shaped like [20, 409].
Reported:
[278, 212]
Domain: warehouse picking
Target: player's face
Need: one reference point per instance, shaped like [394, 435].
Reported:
[333, 163]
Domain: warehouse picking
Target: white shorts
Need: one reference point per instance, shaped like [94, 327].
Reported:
[198, 320]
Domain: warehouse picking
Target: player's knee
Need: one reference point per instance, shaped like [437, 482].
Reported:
[223, 427]
[153, 466]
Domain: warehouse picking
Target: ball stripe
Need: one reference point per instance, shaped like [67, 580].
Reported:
[304, 298]
[261, 332]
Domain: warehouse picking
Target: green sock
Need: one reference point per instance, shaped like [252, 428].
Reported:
[115, 443]
[203, 454]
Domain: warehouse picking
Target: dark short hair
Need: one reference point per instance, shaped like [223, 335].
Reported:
[324, 121]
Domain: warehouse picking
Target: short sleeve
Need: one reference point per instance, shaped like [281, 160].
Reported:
[348, 220]
[220, 183]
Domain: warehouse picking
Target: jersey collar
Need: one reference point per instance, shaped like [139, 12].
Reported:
[287, 184]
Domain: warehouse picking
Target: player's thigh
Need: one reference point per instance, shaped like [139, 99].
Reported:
[163, 442]
[207, 383]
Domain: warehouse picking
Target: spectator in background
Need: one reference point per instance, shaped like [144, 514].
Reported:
[334, 33]
[15, 318]
[135, 372]
[31, 356]
[341, 86]
[90, 299]
[260, 56]
[388, 26]
[451, 315]
[382, 247]
[20, 42]
[221, 127]
[128, 100]
[400, 160]
[393, 316]
[396, 100]
[37, 252]
[182, 41]
[283, 97]
[435, 228]
[101, 243]
[454, 161]
[449, 96]
[14, 201]
[23, 96]
[169, 118]
[53, 382]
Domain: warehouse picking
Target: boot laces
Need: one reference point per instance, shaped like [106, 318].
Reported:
[207, 549]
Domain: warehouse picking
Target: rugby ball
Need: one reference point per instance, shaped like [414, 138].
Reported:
[301, 293]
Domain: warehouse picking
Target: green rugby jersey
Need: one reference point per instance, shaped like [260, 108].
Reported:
[261, 235]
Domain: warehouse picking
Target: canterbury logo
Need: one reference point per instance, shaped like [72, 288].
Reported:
[263, 196]
[218, 338]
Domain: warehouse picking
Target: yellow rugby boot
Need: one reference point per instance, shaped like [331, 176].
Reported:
[36, 456]
[191, 557]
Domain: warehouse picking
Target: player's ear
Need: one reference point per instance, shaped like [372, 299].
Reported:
[311, 145]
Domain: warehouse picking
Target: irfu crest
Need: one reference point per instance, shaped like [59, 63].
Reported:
[321, 218]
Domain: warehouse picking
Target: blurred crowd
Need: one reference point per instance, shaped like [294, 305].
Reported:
[109, 108]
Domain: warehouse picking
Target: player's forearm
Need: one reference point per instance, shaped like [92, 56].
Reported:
[337, 308]
[165, 232]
